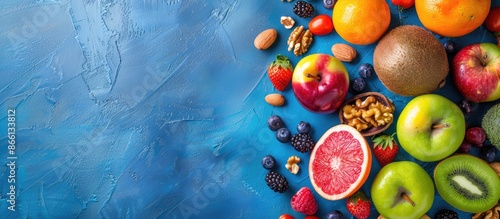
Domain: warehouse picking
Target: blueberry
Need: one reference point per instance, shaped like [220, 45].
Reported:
[358, 84]
[334, 215]
[466, 107]
[303, 127]
[328, 4]
[450, 47]
[274, 122]
[366, 70]
[488, 153]
[268, 162]
[283, 135]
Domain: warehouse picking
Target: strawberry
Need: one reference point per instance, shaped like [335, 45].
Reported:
[280, 72]
[385, 148]
[405, 4]
[303, 201]
[359, 205]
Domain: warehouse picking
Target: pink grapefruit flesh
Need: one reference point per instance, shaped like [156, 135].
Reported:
[340, 162]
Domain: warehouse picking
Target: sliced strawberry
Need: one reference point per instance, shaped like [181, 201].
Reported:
[385, 148]
[280, 72]
[359, 205]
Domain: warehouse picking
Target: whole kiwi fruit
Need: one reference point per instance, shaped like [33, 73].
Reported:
[410, 61]
[467, 183]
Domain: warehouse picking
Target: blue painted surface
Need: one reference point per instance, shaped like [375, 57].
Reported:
[154, 109]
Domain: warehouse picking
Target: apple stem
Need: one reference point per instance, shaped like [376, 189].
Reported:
[439, 126]
[317, 77]
[408, 199]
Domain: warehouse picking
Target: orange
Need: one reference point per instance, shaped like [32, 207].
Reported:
[452, 18]
[361, 22]
[340, 162]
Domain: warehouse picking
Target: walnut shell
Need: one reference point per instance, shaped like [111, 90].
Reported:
[380, 98]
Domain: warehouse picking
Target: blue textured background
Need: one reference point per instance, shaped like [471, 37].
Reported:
[154, 109]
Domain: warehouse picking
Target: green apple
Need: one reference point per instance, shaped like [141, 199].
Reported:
[430, 127]
[402, 189]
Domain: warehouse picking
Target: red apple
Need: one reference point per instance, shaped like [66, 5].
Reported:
[476, 71]
[320, 83]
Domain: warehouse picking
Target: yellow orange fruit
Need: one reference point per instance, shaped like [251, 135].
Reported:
[452, 18]
[361, 22]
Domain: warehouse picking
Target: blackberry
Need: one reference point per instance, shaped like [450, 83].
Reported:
[446, 214]
[303, 9]
[276, 182]
[302, 142]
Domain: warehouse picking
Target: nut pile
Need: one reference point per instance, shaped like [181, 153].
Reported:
[299, 41]
[364, 114]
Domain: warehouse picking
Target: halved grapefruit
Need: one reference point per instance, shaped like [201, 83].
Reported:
[340, 162]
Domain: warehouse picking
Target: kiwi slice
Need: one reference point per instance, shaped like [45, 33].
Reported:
[467, 183]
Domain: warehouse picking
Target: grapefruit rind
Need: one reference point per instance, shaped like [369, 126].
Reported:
[350, 181]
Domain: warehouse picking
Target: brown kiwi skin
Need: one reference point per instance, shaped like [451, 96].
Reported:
[410, 61]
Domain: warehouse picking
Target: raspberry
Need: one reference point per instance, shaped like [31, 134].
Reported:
[303, 201]
[276, 182]
[303, 9]
[302, 142]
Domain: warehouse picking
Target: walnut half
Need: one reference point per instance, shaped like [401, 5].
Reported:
[292, 164]
[287, 22]
[299, 41]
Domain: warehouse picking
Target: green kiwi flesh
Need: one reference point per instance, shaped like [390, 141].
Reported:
[467, 183]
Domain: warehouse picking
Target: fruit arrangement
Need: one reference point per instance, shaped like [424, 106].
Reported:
[430, 145]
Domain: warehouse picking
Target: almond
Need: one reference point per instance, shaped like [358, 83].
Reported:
[344, 52]
[265, 39]
[275, 99]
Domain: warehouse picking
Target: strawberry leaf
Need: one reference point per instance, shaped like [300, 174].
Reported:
[384, 141]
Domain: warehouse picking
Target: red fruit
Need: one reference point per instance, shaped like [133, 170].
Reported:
[476, 136]
[465, 147]
[359, 205]
[404, 3]
[385, 148]
[492, 21]
[286, 216]
[280, 72]
[303, 201]
[321, 25]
